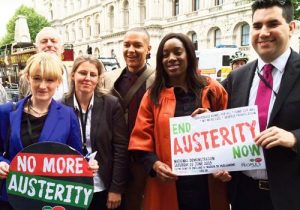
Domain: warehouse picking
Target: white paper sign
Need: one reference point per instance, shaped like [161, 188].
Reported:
[216, 141]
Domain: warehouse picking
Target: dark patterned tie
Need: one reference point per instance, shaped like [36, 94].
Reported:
[264, 94]
[132, 106]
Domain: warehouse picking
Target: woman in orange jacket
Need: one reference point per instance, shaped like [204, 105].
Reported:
[176, 91]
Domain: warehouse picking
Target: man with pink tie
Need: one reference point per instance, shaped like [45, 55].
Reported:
[272, 82]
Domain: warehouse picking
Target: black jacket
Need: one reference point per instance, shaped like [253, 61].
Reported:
[110, 138]
[283, 164]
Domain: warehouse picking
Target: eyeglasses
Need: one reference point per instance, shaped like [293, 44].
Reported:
[87, 74]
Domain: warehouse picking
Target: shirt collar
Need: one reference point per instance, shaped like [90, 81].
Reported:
[138, 73]
[76, 106]
[279, 63]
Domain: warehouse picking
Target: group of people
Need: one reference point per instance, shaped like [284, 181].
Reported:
[128, 125]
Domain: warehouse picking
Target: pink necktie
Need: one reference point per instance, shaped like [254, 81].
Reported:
[263, 96]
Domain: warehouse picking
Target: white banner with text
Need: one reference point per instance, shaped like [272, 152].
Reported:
[215, 141]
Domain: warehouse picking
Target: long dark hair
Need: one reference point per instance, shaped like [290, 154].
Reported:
[195, 83]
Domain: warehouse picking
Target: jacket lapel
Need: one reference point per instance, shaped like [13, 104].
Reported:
[15, 123]
[54, 115]
[244, 83]
[97, 112]
[290, 76]
[69, 101]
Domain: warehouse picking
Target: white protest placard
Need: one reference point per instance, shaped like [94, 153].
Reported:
[216, 141]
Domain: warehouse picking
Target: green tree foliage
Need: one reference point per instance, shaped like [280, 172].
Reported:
[296, 10]
[35, 23]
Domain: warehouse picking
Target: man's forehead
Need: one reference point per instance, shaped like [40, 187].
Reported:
[270, 12]
[49, 35]
[138, 35]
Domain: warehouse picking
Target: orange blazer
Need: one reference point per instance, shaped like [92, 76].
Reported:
[152, 134]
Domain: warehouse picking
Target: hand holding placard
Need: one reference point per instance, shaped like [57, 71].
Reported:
[93, 164]
[164, 172]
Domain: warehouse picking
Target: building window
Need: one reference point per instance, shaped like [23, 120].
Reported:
[194, 40]
[97, 52]
[217, 37]
[125, 14]
[218, 2]
[79, 4]
[51, 11]
[196, 5]
[142, 11]
[97, 25]
[88, 28]
[111, 18]
[72, 5]
[245, 31]
[175, 7]
[80, 34]
[73, 32]
[67, 34]
[51, 14]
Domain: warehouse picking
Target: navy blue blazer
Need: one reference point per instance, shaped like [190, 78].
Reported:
[283, 164]
[61, 125]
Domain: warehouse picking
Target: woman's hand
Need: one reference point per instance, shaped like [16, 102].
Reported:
[93, 166]
[113, 200]
[223, 176]
[199, 111]
[164, 172]
[4, 169]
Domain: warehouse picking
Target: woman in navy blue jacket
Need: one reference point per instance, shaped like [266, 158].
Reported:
[38, 117]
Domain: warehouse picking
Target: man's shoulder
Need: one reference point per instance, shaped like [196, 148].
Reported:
[113, 74]
[110, 77]
[243, 69]
[294, 57]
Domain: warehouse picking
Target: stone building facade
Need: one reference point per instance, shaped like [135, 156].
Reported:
[101, 24]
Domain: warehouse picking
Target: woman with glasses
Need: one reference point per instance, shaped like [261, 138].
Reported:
[37, 118]
[103, 129]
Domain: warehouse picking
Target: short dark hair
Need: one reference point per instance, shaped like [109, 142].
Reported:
[140, 29]
[285, 5]
[195, 83]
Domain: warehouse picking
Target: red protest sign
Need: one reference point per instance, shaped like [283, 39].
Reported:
[50, 176]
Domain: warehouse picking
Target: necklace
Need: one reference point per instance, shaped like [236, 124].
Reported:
[31, 108]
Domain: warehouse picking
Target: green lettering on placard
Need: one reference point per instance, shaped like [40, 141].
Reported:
[49, 190]
[181, 128]
[245, 151]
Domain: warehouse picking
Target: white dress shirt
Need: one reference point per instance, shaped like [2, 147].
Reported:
[98, 183]
[277, 72]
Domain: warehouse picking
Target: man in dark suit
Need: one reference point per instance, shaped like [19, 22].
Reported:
[277, 187]
[130, 84]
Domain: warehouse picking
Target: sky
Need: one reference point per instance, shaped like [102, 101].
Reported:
[7, 10]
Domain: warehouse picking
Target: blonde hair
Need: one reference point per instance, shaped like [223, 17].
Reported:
[49, 65]
[100, 68]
